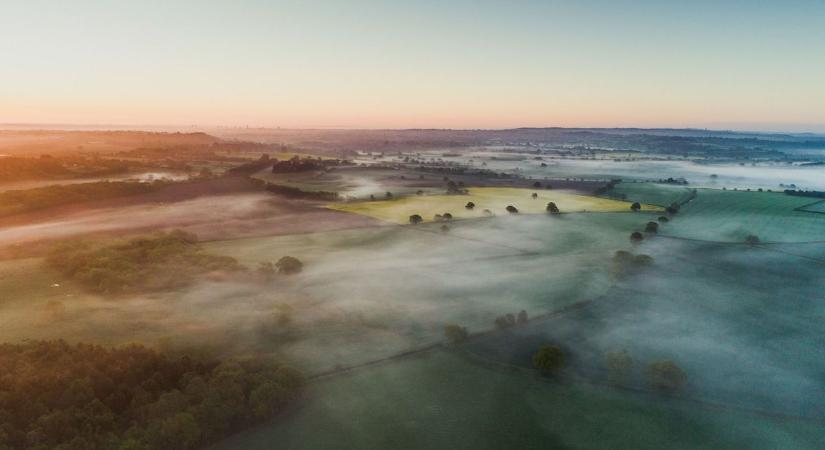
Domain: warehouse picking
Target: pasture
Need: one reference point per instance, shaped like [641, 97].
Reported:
[372, 291]
[445, 400]
[730, 216]
[651, 193]
[495, 200]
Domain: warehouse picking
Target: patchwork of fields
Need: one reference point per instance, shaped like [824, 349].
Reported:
[742, 321]
[495, 200]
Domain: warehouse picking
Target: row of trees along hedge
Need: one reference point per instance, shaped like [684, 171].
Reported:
[55, 395]
[158, 262]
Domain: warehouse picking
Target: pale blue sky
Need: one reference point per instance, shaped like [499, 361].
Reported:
[731, 64]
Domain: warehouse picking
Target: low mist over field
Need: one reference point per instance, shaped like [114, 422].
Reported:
[346, 225]
[672, 292]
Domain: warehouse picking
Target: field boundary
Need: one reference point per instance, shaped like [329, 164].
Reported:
[340, 370]
[500, 365]
[803, 207]
[475, 358]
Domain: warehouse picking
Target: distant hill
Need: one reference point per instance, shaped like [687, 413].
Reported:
[661, 141]
[53, 142]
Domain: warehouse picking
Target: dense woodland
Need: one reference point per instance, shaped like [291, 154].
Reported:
[154, 263]
[26, 200]
[46, 167]
[55, 395]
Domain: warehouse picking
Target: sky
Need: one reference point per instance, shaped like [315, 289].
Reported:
[756, 65]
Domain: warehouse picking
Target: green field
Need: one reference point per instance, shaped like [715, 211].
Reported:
[730, 216]
[443, 400]
[652, 193]
[815, 207]
[493, 199]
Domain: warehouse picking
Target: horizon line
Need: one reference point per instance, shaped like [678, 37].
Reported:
[62, 126]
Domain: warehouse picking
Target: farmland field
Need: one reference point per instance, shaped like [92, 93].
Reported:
[388, 289]
[731, 216]
[493, 199]
[652, 193]
[814, 207]
[766, 353]
[444, 400]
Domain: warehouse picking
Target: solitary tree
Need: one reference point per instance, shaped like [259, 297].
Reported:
[636, 237]
[651, 227]
[552, 208]
[455, 334]
[511, 319]
[505, 321]
[635, 206]
[663, 219]
[752, 239]
[535, 195]
[549, 360]
[453, 188]
[470, 205]
[289, 265]
[512, 209]
[415, 219]
[665, 376]
[446, 217]
[388, 195]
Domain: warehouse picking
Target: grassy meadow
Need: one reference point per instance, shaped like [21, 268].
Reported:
[652, 193]
[730, 216]
[445, 400]
[495, 200]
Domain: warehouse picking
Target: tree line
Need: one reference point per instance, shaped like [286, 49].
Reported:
[55, 395]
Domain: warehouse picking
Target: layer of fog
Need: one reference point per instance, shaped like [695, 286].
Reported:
[142, 177]
[744, 323]
[364, 294]
[207, 210]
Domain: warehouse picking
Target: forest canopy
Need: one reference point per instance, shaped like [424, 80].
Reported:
[153, 263]
[20, 201]
[55, 395]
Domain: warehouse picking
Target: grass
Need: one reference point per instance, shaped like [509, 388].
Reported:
[652, 193]
[815, 207]
[494, 199]
[730, 216]
[373, 292]
[443, 400]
